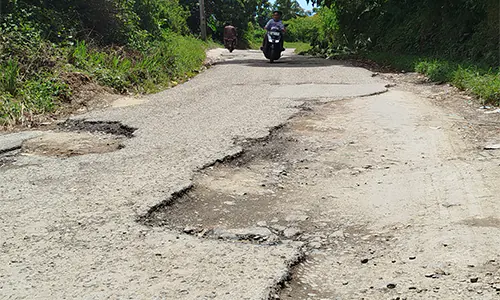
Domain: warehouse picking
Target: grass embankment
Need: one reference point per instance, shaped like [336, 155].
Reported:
[480, 81]
[300, 47]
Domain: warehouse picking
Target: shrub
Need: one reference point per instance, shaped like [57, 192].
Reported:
[9, 77]
[302, 29]
[436, 70]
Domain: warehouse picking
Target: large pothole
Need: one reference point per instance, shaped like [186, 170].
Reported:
[79, 137]
[66, 144]
[270, 192]
[109, 127]
[291, 187]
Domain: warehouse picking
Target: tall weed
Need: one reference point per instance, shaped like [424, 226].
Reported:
[79, 55]
[9, 76]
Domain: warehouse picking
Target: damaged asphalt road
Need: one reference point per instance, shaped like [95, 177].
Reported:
[304, 179]
[69, 229]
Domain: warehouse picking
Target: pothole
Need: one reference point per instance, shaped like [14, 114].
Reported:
[79, 137]
[285, 188]
[232, 193]
[109, 127]
[66, 144]
[256, 196]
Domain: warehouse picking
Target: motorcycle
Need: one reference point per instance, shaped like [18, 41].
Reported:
[272, 49]
[230, 44]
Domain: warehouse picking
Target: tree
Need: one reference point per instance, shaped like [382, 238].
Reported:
[264, 13]
[290, 9]
[237, 12]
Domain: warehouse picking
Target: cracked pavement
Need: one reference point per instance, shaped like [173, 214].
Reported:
[68, 227]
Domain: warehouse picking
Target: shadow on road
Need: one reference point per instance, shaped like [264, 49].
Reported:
[294, 61]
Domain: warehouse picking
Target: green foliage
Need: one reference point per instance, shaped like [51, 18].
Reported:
[165, 59]
[10, 109]
[133, 45]
[329, 25]
[324, 41]
[289, 8]
[38, 95]
[482, 82]
[303, 29]
[237, 12]
[456, 30]
[254, 36]
[484, 85]
[300, 47]
[157, 15]
[9, 77]
[427, 36]
[248, 16]
[436, 70]
[33, 97]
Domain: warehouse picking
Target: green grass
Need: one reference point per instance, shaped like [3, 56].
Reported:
[479, 80]
[254, 45]
[300, 47]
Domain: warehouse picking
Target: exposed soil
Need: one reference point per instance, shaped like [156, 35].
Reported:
[86, 94]
[79, 137]
[66, 144]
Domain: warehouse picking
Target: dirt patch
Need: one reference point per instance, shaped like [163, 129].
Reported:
[67, 144]
[128, 101]
[85, 92]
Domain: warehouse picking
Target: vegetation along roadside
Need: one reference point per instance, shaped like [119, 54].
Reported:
[51, 50]
[48, 49]
[448, 41]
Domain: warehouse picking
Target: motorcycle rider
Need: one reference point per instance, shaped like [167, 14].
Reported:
[230, 33]
[274, 22]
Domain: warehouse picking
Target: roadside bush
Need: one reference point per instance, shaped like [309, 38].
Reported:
[42, 96]
[254, 35]
[302, 29]
[435, 70]
[451, 30]
[484, 85]
[10, 108]
[9, 77]
[479, 81]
